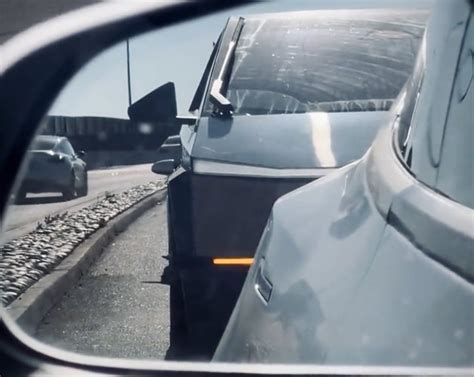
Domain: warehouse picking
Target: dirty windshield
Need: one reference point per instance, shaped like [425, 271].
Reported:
[328, 61]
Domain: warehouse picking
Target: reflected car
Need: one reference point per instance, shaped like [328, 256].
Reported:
[373, 265]
[285, 99]
[54, 166]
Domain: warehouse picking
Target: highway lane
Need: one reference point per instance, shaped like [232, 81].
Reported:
[23, 218]
[120, 306]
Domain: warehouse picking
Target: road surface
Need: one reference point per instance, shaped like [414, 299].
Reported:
[119, 308]
[23, 218]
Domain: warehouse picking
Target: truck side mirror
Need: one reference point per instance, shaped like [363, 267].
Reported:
[165, 167]
[158, 106]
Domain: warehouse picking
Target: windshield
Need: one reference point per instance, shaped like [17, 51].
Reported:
[43, 144]
[324, 61]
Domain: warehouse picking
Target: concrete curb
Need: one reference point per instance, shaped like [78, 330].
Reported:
[30, 307]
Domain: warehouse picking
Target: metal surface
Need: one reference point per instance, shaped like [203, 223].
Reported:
[223, 105]
[349, 288]
[384, 277]
[233, 224]
[204, 167]
[18, 15]
[75, 39]
[288, 141]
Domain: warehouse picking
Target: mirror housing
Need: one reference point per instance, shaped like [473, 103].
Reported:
[165, 167]
[81, 154]
[158, 106]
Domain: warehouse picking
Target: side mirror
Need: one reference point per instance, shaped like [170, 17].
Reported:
[165, 167]
[81, 154]
[173, 139]
[157, 106]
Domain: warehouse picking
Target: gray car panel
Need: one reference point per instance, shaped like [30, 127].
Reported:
[348, 287]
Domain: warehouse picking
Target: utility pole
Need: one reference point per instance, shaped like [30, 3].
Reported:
[128, 74]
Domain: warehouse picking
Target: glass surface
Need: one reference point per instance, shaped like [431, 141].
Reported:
[455, 176]
[328, 62]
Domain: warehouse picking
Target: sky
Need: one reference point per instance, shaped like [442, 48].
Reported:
[177, 53]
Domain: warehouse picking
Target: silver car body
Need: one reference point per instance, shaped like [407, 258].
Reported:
[374, 264]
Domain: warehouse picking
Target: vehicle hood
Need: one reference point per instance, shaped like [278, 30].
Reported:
[288, 141]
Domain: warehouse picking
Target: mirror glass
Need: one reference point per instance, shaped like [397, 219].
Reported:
[103, 257]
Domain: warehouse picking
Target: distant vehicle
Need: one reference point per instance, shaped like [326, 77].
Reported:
[285, 99]
[53, 166]
[374, 265]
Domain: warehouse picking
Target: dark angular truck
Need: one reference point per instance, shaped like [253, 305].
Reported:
[284, 99]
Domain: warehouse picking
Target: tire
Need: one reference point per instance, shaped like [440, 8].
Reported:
[85, 187]
[179, 337]
[70, 192]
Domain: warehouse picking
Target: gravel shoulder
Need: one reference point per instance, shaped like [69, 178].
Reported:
[26, 260]
[119, 308]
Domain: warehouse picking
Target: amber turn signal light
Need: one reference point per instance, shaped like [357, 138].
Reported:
[233, 261]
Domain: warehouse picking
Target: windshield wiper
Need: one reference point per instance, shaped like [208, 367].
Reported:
[221, 102]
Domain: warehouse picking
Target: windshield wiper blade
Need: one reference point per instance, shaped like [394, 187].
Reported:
[220, 101]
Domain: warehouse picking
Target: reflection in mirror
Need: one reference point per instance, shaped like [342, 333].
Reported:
[142, 206]
[87, 175]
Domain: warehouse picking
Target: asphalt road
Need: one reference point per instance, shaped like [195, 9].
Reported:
[23, 218]
[119, 308]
